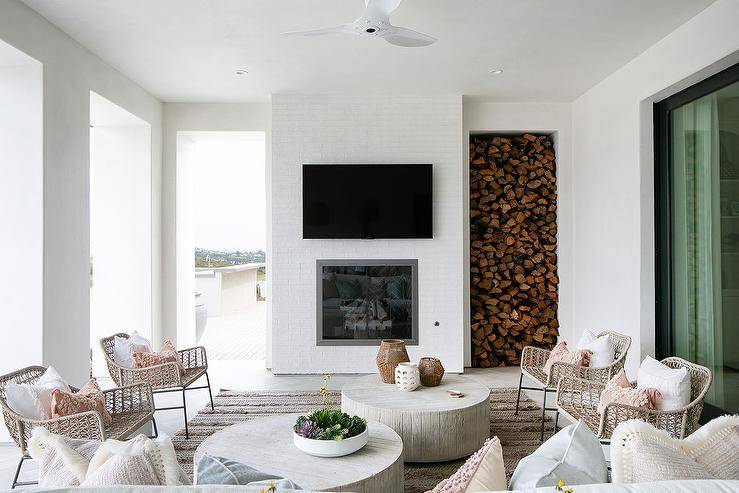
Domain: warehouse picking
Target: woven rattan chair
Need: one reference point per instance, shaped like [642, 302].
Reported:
[578, 399]
[131, 407]
[532, 365]
[164, 378]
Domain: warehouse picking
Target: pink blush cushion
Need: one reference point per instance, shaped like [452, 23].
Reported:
[168, 354]
[560, 354]
[619, 390]
[88, 398]
[483, 471]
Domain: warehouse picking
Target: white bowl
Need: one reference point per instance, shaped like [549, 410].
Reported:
[331, 448]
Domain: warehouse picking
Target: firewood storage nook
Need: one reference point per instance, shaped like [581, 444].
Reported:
[513, 244]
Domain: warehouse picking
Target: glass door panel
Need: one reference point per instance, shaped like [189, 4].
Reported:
[703, 172]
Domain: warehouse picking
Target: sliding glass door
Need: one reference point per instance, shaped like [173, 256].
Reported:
[697, 210]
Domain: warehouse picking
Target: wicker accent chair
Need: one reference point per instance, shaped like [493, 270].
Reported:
[578, 399]
[532, 365]
[164, 378]
[131, 407]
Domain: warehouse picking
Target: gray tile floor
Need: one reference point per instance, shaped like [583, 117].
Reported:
[248, 375]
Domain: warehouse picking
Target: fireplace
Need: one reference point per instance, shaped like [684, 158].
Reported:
[362, 302]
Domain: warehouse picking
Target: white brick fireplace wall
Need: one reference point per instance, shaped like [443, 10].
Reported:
[370, 129]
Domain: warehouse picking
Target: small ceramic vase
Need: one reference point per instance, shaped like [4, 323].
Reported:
[392, 352]
[431, 371]
[407, 377]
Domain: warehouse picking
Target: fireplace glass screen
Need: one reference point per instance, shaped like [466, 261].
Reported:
[362, 302]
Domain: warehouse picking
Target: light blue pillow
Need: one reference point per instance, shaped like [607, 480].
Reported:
[573, 455]
[219, 470]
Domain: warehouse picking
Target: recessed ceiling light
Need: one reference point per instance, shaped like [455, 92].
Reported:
[495, 71]
[241, 71]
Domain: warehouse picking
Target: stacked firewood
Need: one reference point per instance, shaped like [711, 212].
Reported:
[513, 242]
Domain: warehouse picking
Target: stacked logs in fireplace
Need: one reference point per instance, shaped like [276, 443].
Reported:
[513, 242]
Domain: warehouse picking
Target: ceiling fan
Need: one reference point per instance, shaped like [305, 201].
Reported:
[376, 22]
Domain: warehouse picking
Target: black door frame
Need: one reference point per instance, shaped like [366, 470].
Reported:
[664, 334]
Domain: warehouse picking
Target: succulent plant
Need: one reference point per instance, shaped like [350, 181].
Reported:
[307, 428]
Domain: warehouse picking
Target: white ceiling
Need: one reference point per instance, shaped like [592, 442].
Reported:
[188, 50]
[104, 113]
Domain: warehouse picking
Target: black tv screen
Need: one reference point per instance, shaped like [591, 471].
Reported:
[367, 201]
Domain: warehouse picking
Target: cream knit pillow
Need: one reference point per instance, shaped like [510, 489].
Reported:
[642, 453]
[62, 461]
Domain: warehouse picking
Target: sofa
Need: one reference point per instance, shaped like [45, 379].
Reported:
[701, 486]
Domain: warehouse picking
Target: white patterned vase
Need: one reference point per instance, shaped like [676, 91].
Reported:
[407, 377]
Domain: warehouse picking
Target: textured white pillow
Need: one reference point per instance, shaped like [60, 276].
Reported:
[124, 348]
[601, 347]
[34, 401]
[573, 455]
[138, 461]
[62, 461]
[673, 384]
[641, 453]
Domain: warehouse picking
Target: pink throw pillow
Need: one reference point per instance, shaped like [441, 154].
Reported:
[619, 390]
[483, 471]
[88, 398]
[168, 354]
[560, 354]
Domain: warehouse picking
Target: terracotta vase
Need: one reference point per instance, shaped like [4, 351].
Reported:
[431, 371]
[392, 352]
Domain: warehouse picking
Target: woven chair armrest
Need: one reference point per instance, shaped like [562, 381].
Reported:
[129, 399]
[585, 392]
[158, 376]
[533, 356]
[194, 357]
[87, 425]
[671, 421]
[560, 370]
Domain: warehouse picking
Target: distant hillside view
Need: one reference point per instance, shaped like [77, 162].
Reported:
[217, 258]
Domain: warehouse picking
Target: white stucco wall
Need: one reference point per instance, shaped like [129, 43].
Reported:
[70, 72]
[614, 174]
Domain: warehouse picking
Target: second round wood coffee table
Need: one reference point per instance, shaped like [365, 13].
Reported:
[434, 427]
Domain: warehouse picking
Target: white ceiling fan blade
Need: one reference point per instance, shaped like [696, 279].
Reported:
[401, 36]
[383, 7]
[342, 29]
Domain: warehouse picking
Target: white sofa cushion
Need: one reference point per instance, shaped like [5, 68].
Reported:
[673, 384]
[123, 348]
[603, 352]
[640, 452]
[34, 400]
[573, 455]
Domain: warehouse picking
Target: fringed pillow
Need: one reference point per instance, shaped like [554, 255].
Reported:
[619, 390]
[61, 461]
[641, 453]
[483, 471]
[560, 354]
[88, 398]
[168, 354]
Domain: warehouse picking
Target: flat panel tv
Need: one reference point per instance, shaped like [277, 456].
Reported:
[367, 201]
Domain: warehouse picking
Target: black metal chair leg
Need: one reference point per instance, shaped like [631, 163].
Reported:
[18, 472]
[210, 394]
[518, 398]
[556, 422]
[543, 415]
[184, 411]
[154, 425]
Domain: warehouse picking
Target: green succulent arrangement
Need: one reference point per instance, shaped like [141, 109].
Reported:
[327, 423]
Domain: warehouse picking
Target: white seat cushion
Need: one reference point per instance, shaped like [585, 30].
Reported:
[123, 348]
[34, 400]
[601, 347]
[673, 384]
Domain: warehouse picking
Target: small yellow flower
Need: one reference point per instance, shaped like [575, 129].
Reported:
[323, 390]
[326, 376]
[560, 483]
